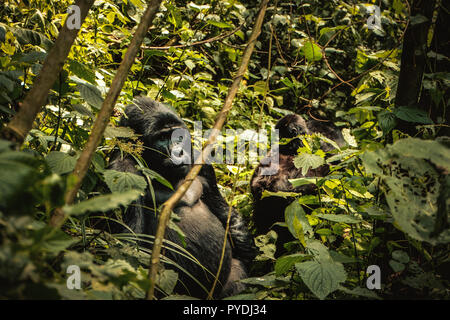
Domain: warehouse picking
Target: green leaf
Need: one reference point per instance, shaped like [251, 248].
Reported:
[30, 37]
[342, 218]
[58, 241]
[418, 19]
[281, 194]
[415, 185]
[103, 203]
[387, 121]
[339, 257]
[400, 256]
[119, 132]
[297, 222]
[321, 277]
[318, 250]
[91, 95]
[360, 292]
[60, 162]
[311, 51]
[119, 181]
[166, 280]
[307, 161]
[219, 24]
[190, 64]
[285, 263]
[412, 115]
[342, 154]
[269, 280]
[302, 181]
[396, 266]
[17, 173]
[433, 151]
[82, 71]
[198, 7]
[7, 83]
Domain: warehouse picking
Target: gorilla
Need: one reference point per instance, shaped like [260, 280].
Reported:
[270, 210]
[202, 211]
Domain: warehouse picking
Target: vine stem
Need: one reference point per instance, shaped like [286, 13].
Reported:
[168, 206]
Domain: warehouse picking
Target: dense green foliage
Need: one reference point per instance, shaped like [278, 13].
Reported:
[385, 203]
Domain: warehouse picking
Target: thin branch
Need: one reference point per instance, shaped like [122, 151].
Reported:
[216, 38]
[173, 200]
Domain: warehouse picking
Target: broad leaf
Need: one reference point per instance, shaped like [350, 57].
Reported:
[82, 71]
[307, 161]
[387, 121]
[322, 277]
[343, 218]
[283, 264]
[297, 222]
[103, 203]
[91, 95]
[119, 181]
[312, 51]
[302, 181]
[413, 115]
[61, 162]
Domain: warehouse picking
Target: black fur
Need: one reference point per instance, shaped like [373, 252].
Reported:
[202, 210]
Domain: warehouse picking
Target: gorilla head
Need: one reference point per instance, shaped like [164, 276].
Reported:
[291, 126]
[294, 126]
[165, 136]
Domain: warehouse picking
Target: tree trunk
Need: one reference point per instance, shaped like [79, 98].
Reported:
[414, 53]
[441, 46]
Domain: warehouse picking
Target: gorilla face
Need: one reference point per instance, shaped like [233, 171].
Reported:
[291, 126]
